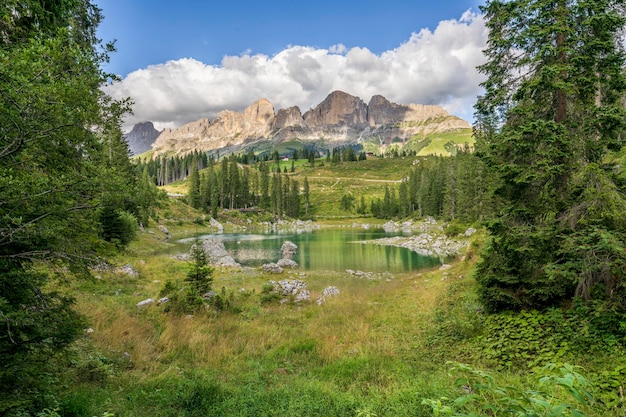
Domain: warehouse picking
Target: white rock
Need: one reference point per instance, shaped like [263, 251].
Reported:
[146, 302]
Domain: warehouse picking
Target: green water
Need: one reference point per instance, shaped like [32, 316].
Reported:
[329, 250]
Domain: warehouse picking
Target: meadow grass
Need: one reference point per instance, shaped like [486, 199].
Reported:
[378, 348]
[361, 351]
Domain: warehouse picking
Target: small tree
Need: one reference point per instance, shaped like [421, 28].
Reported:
[200, 273]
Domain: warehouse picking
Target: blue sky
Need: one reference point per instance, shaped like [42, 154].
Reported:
[189, 59]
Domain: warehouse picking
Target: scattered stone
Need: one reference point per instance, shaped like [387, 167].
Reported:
[469, 232]
[126, 269]
[209, 294]
[89, 330]
[426, 244]
[302, 295]
[217, 253]
[330, 291]
[444, 267]
[327, 293]
[163, 300]
[287, 263]
[164, 230]
[272, 268]
[145, 302]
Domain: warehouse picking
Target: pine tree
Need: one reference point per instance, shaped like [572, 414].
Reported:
[307, 201]
[193, 193]
[551, 112]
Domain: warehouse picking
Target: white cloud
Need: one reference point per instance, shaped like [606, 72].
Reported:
[432, 67]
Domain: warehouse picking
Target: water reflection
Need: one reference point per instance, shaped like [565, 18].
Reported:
[324, 249]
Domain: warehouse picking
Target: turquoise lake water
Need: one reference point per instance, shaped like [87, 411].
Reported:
[325, 249]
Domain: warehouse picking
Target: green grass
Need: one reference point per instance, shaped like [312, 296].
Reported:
[380, 347]
[436, 143]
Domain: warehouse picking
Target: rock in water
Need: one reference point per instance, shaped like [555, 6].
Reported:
[217, 253]
[288, 249]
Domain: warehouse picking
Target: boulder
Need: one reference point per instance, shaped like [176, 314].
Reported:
[216, 224]
[469, 232]
[146, 302]
[217, 253]
[302, 295]
[327, 293]
[287, 263]
[288, 249]
[164, 230]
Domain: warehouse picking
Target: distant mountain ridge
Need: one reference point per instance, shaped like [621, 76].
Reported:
[340, 119]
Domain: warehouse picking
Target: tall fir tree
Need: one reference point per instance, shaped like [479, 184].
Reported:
[551, 113]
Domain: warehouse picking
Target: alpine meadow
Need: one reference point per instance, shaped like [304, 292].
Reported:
[356, 259]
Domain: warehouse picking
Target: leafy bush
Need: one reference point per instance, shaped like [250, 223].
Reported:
[556, 387]
[531, 338]
[454, 229]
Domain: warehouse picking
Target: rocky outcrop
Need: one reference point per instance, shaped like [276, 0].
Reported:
[141, 137]
[338, 109]
[285, 118]
[340, 118]
[426, 244]
[288, 249]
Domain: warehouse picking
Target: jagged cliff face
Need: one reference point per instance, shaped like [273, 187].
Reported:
[339, 118]
[141, 138]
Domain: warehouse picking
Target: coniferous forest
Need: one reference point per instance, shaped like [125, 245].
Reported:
[530, 320]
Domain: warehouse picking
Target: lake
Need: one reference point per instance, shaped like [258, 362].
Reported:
[324, 249]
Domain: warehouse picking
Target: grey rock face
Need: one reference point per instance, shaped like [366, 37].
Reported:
[340, 118]
[141, 138]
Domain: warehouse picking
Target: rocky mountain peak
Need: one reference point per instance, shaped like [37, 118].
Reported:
[340, 118]
[141, 137]
[338, 108]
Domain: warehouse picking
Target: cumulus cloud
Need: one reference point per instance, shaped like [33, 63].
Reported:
[431, 67]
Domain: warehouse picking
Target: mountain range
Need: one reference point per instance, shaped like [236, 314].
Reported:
[340, 119]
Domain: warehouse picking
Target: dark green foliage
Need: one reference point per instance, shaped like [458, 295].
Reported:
[531, 338]
[200, 273]
[547, 136]
[36, 327]
[66, 183]
[347, 202]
